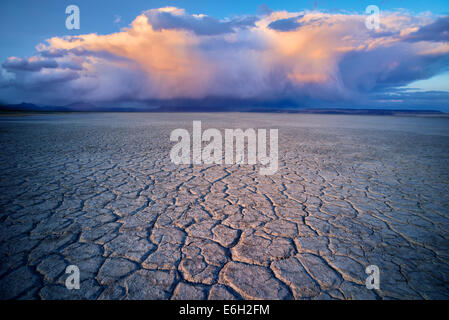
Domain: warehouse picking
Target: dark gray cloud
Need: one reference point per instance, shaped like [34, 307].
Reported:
[18, 64]
[385, 67]
[52, 78]
[70, 65]
[102, 54]
[437, 31]
[201, 25]
[288, 24]
[53, 53]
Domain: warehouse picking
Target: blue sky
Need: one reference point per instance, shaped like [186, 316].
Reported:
[312, 58]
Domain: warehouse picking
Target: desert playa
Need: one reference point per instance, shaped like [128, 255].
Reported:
[99, 191]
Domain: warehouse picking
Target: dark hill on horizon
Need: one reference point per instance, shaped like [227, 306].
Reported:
[88, 107]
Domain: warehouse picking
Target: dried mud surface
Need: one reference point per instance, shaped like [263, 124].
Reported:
[99, 191]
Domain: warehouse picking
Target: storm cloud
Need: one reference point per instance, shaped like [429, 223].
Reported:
[436, 31]
[32, 64]
[305, 59]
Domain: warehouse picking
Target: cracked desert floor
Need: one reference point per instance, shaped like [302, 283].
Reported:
[99, 191]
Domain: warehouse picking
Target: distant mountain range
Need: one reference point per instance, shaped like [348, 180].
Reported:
[73, 107]
[88, 107]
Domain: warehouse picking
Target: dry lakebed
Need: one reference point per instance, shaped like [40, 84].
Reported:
[98, 191]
